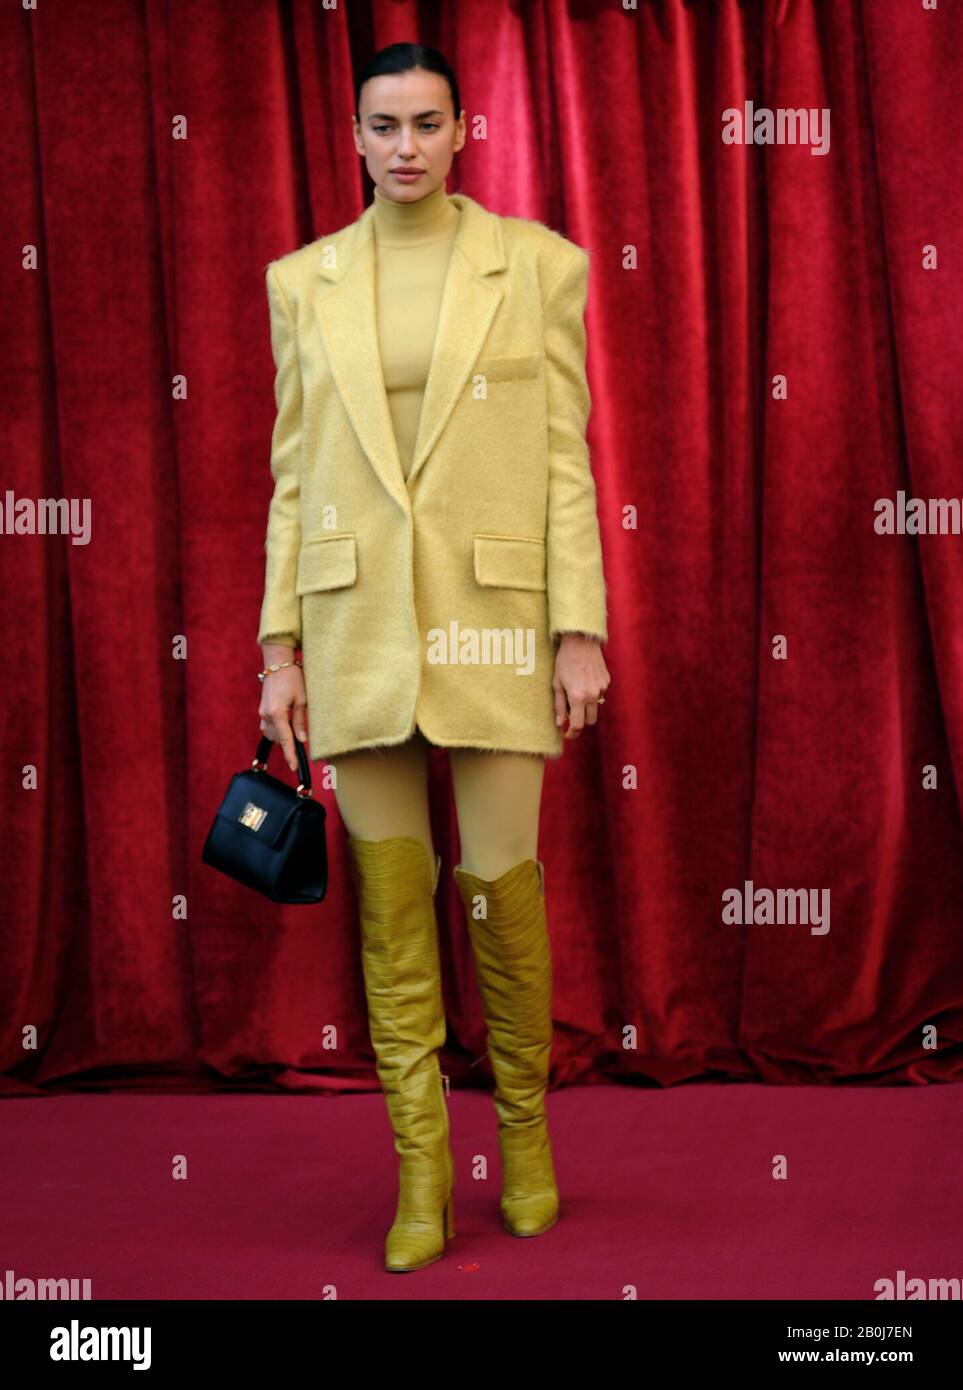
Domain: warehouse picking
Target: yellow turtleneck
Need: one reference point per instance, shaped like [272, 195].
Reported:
[413, 244]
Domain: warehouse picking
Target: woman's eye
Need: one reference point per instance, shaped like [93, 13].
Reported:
[425, 125]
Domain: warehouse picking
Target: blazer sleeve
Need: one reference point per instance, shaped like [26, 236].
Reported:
[280, 619]
[575, 578]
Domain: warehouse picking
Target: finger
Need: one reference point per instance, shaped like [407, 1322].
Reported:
[561, 705]
[298, 721]
[576, 718]
[591, 711]
[286, 740]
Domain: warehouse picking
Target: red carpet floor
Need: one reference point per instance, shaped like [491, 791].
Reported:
[667, 1191]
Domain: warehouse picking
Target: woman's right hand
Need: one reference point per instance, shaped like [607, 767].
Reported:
[283, 703]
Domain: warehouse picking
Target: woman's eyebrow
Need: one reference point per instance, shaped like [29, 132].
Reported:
[386, 116]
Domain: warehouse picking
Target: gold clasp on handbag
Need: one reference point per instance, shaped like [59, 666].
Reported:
[252, 816]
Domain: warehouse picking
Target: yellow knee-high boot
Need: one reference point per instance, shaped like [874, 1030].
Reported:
[509, 935]
[396, 883]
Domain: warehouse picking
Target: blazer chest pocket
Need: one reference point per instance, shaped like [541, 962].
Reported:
[330, 562]
[508, 368]
[510, 562]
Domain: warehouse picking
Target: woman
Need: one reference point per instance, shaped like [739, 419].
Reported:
[433, 548]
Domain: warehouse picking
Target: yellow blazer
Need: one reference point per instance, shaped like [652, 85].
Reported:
[433, 601]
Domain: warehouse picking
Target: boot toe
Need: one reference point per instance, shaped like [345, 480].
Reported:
[408, 1250]
[530, 1216]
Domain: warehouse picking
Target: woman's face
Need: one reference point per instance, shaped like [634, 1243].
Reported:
[407, 123]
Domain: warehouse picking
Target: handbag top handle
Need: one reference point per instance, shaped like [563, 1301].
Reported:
[304, 767]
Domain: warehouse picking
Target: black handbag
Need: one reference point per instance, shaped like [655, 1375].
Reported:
[268, 835]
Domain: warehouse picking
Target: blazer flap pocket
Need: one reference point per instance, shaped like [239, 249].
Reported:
[508, 368]
[510, 562]
[330, 562]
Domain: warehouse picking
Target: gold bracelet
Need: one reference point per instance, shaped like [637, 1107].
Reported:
[279, 667]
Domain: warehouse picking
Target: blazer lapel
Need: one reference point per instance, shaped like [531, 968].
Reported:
[349, 327]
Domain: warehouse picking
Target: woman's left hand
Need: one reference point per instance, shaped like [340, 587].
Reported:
[581, 676]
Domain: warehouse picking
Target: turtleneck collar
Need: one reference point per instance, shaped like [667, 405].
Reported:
[410, 224]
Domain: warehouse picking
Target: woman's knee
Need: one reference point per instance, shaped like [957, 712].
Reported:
[490, 861]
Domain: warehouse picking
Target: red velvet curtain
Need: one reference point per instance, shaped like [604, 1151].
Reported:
[737, 515]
